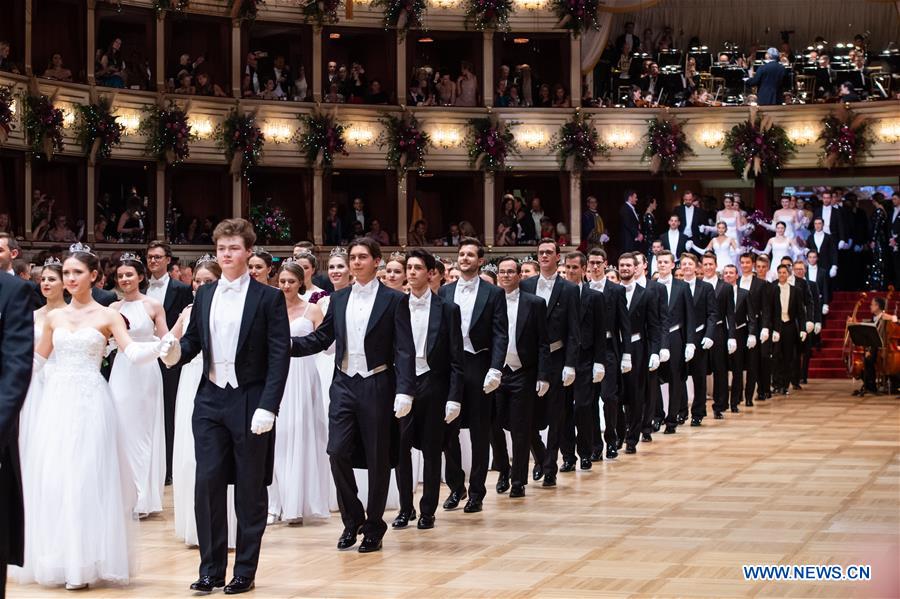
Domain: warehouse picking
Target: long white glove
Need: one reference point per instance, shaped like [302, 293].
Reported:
[402, 405]
[776, 337]
[843, 245]
[262, 421]
[626, 363]
[809, 327]
[751, 341]
[689, 244]
[825, 309]
[802, 336]
[568, 376]
[111, 346]
[654, 362]
[37, 363]
[141, 352]
[491, 380]
[706, 343]
[170, 352]
[598, 372]
[764, 335]
[604, 238]
[689, 350]
[664, 356]
[832, 272]
[818, 328]
[451, 411]
[542, 387]
[732, 346]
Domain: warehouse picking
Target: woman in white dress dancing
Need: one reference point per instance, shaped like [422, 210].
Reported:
[791, 218]
[302, 475]
[80, 494]
[723, 246]
[137, 389]
[780, 246]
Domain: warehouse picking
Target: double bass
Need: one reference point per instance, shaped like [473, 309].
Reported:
[888, 360]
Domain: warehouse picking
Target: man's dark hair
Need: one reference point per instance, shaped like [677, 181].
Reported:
[514, 261]
[549, 240]
[370, 244]
[880, 301]
[425, 256]
[599, 252]
[163, 245]
[473, 241]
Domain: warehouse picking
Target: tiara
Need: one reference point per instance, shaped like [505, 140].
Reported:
[129, 256]
[204, 259]
[80, 248]
[382, 264]
[525, 259]
[399, 256]
[303, 253]
[338, 251]
[489, 268]
[257, 250]
[51, 261]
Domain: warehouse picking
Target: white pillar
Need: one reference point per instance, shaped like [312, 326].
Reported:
[160, 52]
[161, 201]
[236, 60]
[575, 209]
[402, 76]
[317, 66]
[402, 209]
[488, 208]
[575, 70]
[318, 205]
[487, 67]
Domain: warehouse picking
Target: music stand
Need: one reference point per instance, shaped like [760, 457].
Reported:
[864, 334]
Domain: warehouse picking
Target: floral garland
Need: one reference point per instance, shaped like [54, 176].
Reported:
[488, 144]
[6, 113]
[245, 10]
[577, 144]
[315, 297]
[271, 224]
[242, 142]
[321, 12]
[43, 126]
[97, 130]
[402, 15]
[758, 146]
[846, 137]
[163, 5]
[576, 15]
[406, 142]
[168, 133]
[322, 140]
[489, 14]
[666, 145]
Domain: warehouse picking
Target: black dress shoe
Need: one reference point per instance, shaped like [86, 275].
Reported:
[370, 544]
[169, 481]
[735, 410]
[549, 480]
[612, 452]
[517, 491]
[696, 422]
[238, 585]
[206, 584]
[761, 397]
[646, 437]
[503, 483]
[657, 424]
[718, 416]
[453, 501]
[425, 522]
[670, 429]
[567, 466]
[748, 402]
[797, 387]
[630, 448]
[681, 419]
[804, 381]
[348, 538]
[537, 473]
[597, 455]
[403, 518]
[472, 506]
[586, 463]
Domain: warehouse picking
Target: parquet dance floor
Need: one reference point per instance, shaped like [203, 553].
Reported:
[813, 478]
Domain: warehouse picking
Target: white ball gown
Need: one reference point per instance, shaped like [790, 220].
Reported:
[137, 391]
[33, 398]
[302, 476]
[184, 461]
[79, 493]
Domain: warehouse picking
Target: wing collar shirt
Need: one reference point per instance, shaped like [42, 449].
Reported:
[464, 297]
[157, 288]
[545, 287]
[512, 314]
[226, 312]
[419, 314]
[359, 310]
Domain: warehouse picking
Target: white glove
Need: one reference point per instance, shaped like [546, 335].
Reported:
[751, 341]
[689, 244]
[818, 328]
[542, 387]
[170, 353]
[451, 411]
[604, 238]
[491, 381]
[706, 343]
[825, 309]
[802, 336]
[262, 422]
[664, 356]
[832, 272]
[842, 245]
[568, 376]
[141, 352]
[111, 346]
[402, 405]
[809, 327]
[654, 362]
[732, 346]
[764, 335]
[37, 363]
[689, 350]
[599, 372]
[626, 363]
[776, 337]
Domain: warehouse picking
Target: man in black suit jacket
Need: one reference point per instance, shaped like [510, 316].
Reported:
[484, 330]
[673, 240]
[618, 354]
[628, 41]
[174, 296]
[788, 311]
[721, 336]
[561, 298]
[755, 286]
[374, 373]
[630, 237]
[104, 297]
[690, 219]
[832, 219]
[805, 351]
[769, 79]
[894, 241]
[17, 341]
[435, 323]
[823, 244]
[704, 305]
[679, 335]
[525, 378]
[241, 326]
[740, 317]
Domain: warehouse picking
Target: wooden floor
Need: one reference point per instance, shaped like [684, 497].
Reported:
[809, 479]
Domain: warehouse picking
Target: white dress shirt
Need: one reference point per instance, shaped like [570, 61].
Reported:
[692, 284]
[688, 220]
[464, 297]
[712, 281]
[599, 285]
[673, 241]
[819, 237]
[785, 297]
[157, 288]
[667, 283]
[629, 293]
[359, 310]
[746, 281]
[226, 312]
[813, 271]
[826, 219]
[512, 314]
[360, 217]
[642, 281]
[419, 314]
[545, 287]
[895, 213]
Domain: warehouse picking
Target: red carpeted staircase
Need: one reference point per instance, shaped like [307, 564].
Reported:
[826, 362]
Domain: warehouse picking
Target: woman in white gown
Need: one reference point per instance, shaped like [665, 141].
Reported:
[779, 247]
[395, 272]
[790, 217]
[79, 494]
[260, 265]
[723, 246]
[137, 389]
[302, 475]
[184, 461]
[306, 260]
[732, 217]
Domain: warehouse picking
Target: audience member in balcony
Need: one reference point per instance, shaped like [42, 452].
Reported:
[416, 96]
[61, 232]
[562, 234]
[272, 92]
[846, 93]
[56, 70]
[205, 87]
[301, 87]
[357, 83]
[376, 94]
[131, 223]
[769, 79]
[334, 228]
[100, 229]
[527, 233]
[446, 91]
[250, 68]
[186, 64]
[467, 86]
[377, 233]
[417, 236]
[6, 63]
[628, 42]
[453, 236]
[501, 100]
[110, 70]
[548, 229]
[281, 73]
[506, 231]
[359, 214]
[331, 74]
[649, 81]
[138, 73]
[560, 98]
[544, 100]
[525, 85]
[5, 223]
[333, 96]
[247, 87]
[512, 97]
[467, 230]
[184, 84]
[665, 40]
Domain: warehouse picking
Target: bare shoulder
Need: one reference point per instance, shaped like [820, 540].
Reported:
[314, 312]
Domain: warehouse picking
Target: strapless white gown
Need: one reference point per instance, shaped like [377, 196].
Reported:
[732, 231]
[778, 249]
[724, 253]
[33, 398]
[137, 391]
[79, 492]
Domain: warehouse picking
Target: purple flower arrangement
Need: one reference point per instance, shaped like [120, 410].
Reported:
[407, 144]
[489, 143]
[322, 140]
[759, 147]
[576, 15]
[666, 145]
[845, 137]
[168, 133]
[402, 15]
[43, 126]
[489, 14]
[242, 142]
[315, 297]
[97, 130]
[320, 12]
[270, 223]
[578, 144]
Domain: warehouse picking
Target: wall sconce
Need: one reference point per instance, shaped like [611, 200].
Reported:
[532, 138]
[360, 135]
[887, 131]
[444, 4]
[530, 4]
[130, 121]
[68, 112]
[14, 107]
[711, 138]
[446, 137]
[802, 135]
[621, 139]
[202, 127]
[278, 132]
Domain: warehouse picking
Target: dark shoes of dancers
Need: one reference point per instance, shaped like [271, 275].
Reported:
[425, 522]
[612, 452]
[403, 518]
[517, 491]
[670, 429]
[238, 585]
[206, 584]
[472, 506]
[597, 455]
[567, 466]
[696, 421]
[453, 501]
[503, 483]
[549, 480]
[538, 472]
[719, 416]
[646, 438]
[348, 540]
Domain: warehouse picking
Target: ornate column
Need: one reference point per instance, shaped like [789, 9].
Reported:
[91, 200]
[161, 201]
[575, 70]
[487, 68]
[91, 45]
[161, 52]
[575, 208]
[318, 201]
[236, 61]
[488, 208]
[29, 7]
[402, 76]
[402, 209]
[317, 66]
[237, 198]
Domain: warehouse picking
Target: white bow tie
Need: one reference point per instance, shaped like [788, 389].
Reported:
[226, 286]
[156, 283]
[419, 302]
[546, 283]
[629, 288]
[364, 289]
[467, 285]
[512, 296]
[665, 281]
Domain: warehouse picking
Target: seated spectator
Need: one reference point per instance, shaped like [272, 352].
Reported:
[417, 235]
[100, 229]
[507, 231]
[356, 84]
[544, 100]
[272, 92]
[184, 84]
[5, 223]
[416, 96]
[256, 84]
[301, 87]
[138, 72]
[184, 64]
[513, 99]
[56, 70]
[6, 64]
[358, 230]
[560, 98]
[334, 228]
[548, 229]
[247, 87]
[467, 230]
[453, 236]
[205, 87]
[281, 73]
[110, 69]
[446, 90]
[562, 234]
[377, 233]
[61, 231]
[376, 95]
[131, 223]
[502, 99]
[847, 93]
[333, 96]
